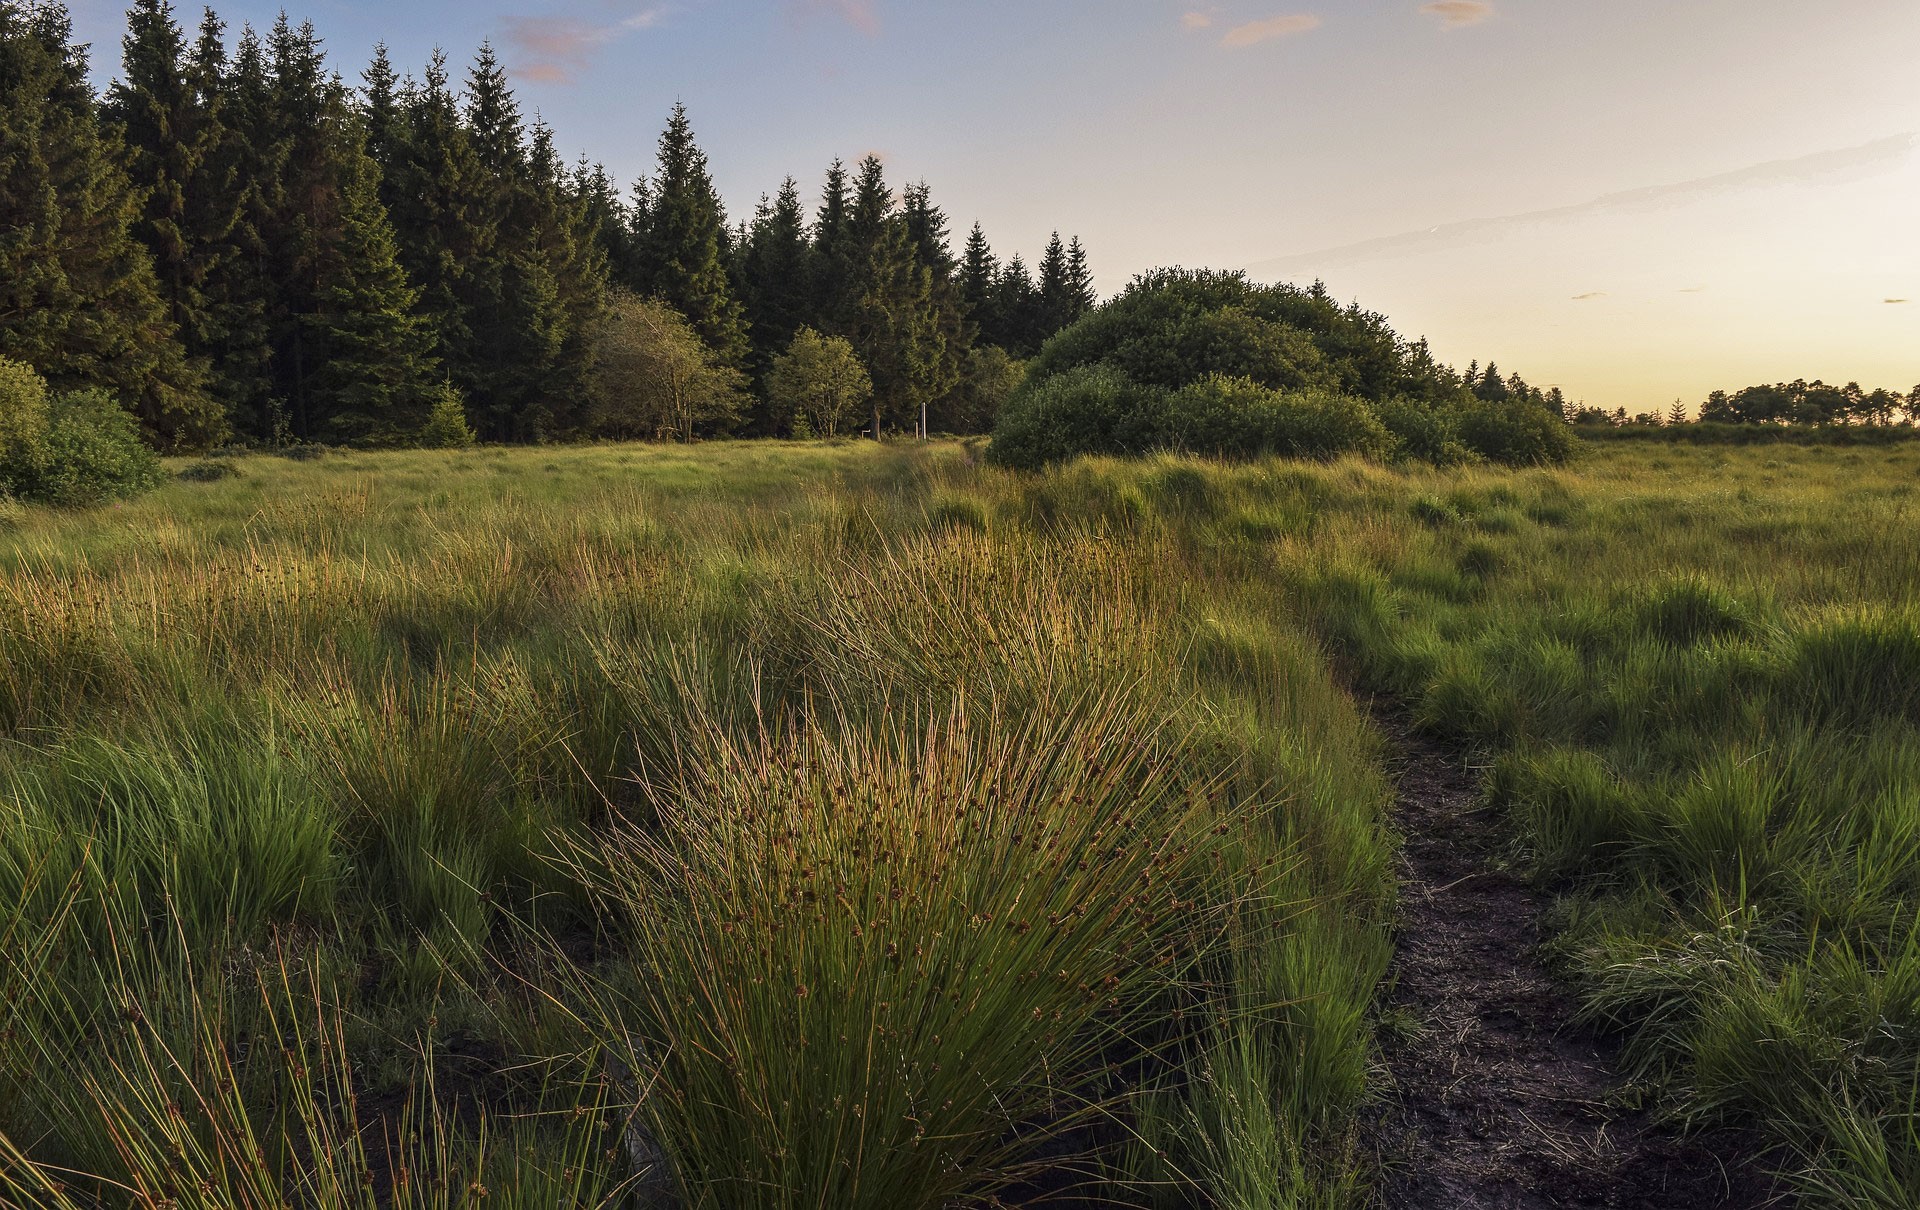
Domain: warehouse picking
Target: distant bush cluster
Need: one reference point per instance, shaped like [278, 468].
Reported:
[1210, 363]
[73, 449]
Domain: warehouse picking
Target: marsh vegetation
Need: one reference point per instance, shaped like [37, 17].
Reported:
[842, 824]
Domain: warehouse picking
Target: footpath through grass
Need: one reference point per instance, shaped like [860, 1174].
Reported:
[875, 828]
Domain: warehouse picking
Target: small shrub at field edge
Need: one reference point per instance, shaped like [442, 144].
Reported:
[209, 470]
[72, 450]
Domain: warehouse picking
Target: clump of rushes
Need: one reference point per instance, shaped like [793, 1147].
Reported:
[178, 1099]
[879, 966]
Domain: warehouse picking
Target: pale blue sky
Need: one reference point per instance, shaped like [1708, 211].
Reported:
[1296, 137]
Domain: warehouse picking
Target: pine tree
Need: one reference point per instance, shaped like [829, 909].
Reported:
[78, 298]
[907, 332]
[445, 232]
[1056, 289]
[375, 376]
[685, 250]
[978, 271]
[242, 290]
[1082, 297]
[380, 110]
[834, 258]
[1016, 309]
[168, 137]
[352, 358]
[513, 289]
[563, 230]
[927, 230]
[776, 269]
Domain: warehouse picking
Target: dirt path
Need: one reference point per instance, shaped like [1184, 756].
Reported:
[1497, 1102]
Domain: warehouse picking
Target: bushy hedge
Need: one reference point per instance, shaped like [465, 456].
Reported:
[1099, 410]
[1210, 363]
[70, 450]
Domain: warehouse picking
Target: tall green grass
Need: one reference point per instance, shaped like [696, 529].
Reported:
[410, 796]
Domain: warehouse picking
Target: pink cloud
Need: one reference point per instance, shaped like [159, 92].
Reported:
[555, 50]
[1197, 21]
[1457, 14]
[1255, 32]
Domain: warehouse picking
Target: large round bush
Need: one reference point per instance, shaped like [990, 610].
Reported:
[1088, 410]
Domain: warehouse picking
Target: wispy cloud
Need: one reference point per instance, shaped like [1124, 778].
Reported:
[555, 50]
[1693, 289]
[1589, 294]
[1197, 20]
[861, 14]
[1255, 32]
[1893, 302]
[1458, 14]
[1845, 162]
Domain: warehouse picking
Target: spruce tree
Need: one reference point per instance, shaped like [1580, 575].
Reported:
[375, 376]
[904, 326]
[834, 259]
[512, 295]
[241, 290]
[1017, 321]
[776, 270]
[352, 358]
[927, 230]
[684, 254]
[978, 270]
[1056, 288]
[1082, 297]
[78, 298]
[563, 238]
[445, 232]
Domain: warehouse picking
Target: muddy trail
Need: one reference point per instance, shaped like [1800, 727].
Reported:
[1498, 1102]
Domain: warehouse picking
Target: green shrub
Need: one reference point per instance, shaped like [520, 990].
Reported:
[1515, 433]
[23, 413]
[209, 470]
[1424, 432]
[1091, 410]
[88, 452]
[1239, 418]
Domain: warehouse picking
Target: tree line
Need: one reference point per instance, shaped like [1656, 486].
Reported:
[240, 245]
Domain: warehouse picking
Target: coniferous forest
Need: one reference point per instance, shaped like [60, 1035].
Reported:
[244, 244]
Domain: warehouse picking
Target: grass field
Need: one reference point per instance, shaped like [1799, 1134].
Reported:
[843, 826]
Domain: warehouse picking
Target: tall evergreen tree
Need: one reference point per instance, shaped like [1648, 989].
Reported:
[906, 335]
[374, 366]
[1056, 289]
[564, 240]
[776, 270]
[513, 307]
[78, 298]
[242, 290]
[1081, 294]
[685, 249]
[978, 271]
[1017, 324]
[350, 354]
[834, 258]
[927, 230]
[446, 232]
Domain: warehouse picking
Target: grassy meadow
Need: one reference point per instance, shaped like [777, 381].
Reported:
[839, 826]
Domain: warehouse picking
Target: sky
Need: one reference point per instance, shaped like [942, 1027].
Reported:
[1633, 200]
